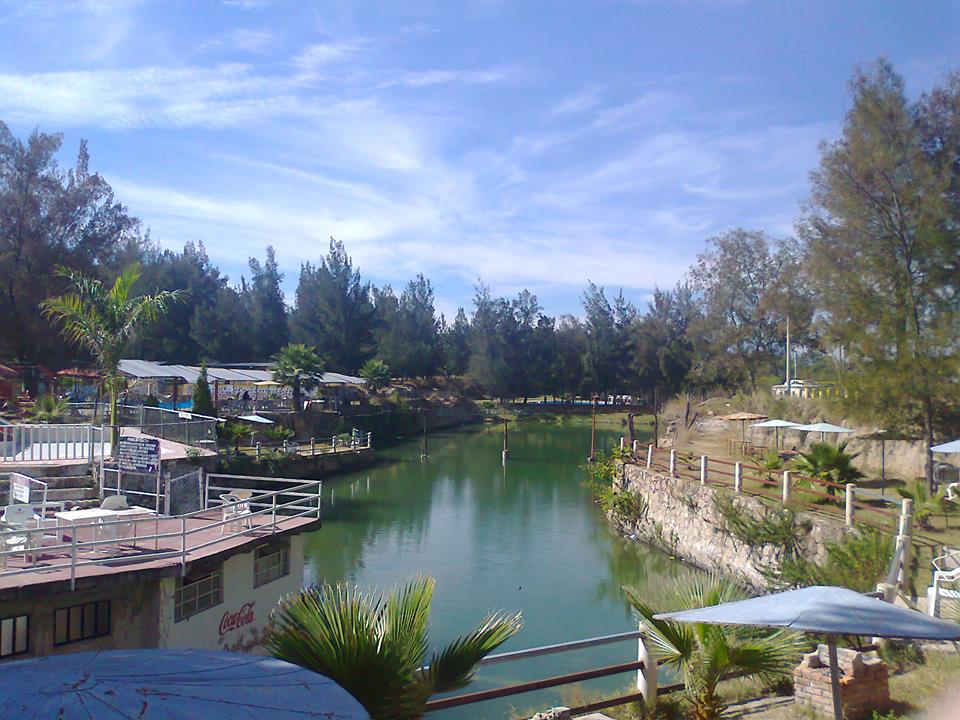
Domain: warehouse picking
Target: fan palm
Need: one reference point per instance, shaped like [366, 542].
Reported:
[925, 503]
[376, 373]
[298, 367]
[704, 655]
[831, 463]
[375, 646]
[103, 320]
[48, 408]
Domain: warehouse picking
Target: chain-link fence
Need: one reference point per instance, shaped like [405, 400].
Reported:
[178, 426]
[185, 493]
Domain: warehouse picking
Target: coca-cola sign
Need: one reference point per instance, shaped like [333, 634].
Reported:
[236, 620]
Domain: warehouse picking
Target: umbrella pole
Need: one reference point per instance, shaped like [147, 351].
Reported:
[834, 677]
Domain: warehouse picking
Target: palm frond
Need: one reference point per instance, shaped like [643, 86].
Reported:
[405, 621]
[671, 642]
[455, 665]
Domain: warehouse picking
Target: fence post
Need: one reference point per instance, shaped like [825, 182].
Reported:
[183, 545]
[258, 451]
[673, 461]
[786, 487]
[851, 492]
[738, 478]
[636, 444]
[904, 535]
[647, 675]
[273, 516]
[623, 443]
[703, 469]
[649, 456]
[205, 487]
[333, 443]
[319, 499]
[313, 446]
[370, 439]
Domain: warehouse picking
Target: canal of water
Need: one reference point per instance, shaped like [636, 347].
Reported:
[524, 536]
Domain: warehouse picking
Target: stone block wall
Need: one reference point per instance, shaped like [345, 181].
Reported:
[680, 516]
[864, 685]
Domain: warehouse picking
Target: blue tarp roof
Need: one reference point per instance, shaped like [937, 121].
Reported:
[170, 685]
[824, 609]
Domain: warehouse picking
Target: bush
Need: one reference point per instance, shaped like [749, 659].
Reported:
[858, 562]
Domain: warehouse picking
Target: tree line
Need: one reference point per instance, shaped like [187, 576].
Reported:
[870, 285]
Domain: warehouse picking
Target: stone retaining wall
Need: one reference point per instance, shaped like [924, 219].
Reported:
[680, 516]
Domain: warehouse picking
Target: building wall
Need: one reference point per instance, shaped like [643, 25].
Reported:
[203, 630]
[134, 607]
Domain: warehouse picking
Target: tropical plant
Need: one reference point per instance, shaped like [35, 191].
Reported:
[48, 409]
[298, 367]
[279, 433]
[375, 646]
[704, 655]
[859, 561]
[104, 319]
[376, 373]
[233, 434]
[202, 400]
[830, 463]
[925, 503]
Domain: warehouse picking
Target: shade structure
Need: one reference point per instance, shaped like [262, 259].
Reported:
[950, 447]
[823, 428]
[743, 418]
[776, 424]
[826, 610]
[172, 685]
[259, 419]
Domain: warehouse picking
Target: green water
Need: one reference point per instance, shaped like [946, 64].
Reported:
[522, 537]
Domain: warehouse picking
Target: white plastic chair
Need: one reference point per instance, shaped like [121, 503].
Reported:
[24, 521]
[236, 511]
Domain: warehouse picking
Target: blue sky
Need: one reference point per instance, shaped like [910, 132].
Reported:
[530, 144]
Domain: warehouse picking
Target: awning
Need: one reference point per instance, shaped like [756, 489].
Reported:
[256, 419]
[775, 423]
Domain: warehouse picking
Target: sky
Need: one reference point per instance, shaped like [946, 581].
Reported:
[526, 144]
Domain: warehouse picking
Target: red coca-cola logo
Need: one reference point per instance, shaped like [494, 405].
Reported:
[236, 620]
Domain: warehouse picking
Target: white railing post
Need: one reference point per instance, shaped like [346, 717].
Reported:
[258, 451]
[313, 446]
[73, 558]
[333, 443]
[636, 444]
[623, 443]
[273, 516]
[786, 487]
[673, 462]
[205, 484]
[738, 478]
[369, 439]
[851, 492]
[904, 536]
[319, 498]
[649, 456]
[647, 675]
[704, 461]
[183, 545]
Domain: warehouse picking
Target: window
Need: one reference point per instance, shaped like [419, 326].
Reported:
[270, 563]
[81, 622]
[196, 593]
[13, 635]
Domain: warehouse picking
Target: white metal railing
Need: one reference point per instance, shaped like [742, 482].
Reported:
[271, 508]
[34, 442]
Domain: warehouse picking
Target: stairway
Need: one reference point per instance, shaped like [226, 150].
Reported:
[75, 491]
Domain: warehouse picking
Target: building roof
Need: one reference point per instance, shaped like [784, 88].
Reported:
[149, 370]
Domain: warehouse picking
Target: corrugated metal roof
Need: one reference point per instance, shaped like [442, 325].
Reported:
[146, 369]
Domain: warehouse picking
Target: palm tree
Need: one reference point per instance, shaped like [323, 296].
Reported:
[925, 503]
[376, 373]
[48, 409]
[375, 646]
[103, 320]
[831, 463]
[704, 655]
[298, 367]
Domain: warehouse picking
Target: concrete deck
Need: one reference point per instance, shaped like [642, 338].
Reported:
[132, 555]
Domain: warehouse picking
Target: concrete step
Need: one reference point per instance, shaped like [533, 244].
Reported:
[67, 481]
[72, 493]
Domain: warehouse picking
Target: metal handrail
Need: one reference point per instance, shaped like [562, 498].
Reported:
[299, 503]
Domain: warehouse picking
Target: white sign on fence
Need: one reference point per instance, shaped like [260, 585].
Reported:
[20, 488]
[139, 454]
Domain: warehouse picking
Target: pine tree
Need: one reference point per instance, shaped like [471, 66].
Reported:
[202, 400]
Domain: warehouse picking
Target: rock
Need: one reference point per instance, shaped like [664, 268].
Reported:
[557, 713]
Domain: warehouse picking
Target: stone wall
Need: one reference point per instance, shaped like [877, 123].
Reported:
[681, 517]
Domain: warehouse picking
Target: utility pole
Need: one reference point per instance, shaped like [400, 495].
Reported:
[593, 431]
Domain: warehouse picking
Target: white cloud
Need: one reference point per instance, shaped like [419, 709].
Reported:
[246, 40]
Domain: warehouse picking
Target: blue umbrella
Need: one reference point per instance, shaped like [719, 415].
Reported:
[827, 610]
[170, 685]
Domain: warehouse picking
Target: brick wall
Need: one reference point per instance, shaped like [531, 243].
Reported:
[863, 684]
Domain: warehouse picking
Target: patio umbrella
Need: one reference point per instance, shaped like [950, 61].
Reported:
[172, 685]
[823, 428]
[776, 424]
[743, 418]
[259, 419]
[825, 610]
[950, 447]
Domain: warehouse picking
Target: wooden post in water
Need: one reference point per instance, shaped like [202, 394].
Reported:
[506, 443]
[593, 432]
